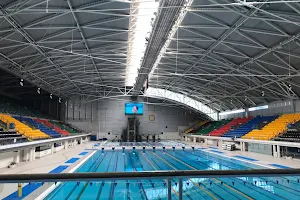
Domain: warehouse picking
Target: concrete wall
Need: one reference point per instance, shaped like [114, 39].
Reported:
[6, 158]
[275, 108]
[107, 116]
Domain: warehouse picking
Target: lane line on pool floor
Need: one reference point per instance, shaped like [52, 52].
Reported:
[54, 186]
[196, 184]
[235, 158]
[246, 196]
[158, 170]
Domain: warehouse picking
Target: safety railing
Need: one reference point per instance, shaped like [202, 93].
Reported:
[181, 184]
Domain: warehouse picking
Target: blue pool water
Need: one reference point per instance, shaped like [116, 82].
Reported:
[194, 188]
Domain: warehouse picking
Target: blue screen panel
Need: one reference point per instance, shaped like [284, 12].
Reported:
[134, 108]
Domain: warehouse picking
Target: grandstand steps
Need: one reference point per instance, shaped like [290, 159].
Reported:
[207, 128]
[273, 129]
[235, 122]
[249, 126]
[195, 127]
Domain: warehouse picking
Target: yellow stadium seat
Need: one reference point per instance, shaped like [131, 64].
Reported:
[23, 129]
[274, 128]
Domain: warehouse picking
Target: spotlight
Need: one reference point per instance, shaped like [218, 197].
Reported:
[66, 103]
[39, 91]
[59, 100]
[50, 96]
[262, 93]
[21, 82]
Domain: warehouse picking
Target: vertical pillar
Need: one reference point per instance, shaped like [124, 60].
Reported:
[206, 141]
[278, 151]
[52, 148]
[25, 155]
[81, 140]
[194, 139]
[66, 145]
[169, 189]
[246, 112]
[17, 157]
[242, 146]
[186, 138]
[274, 150]
[30, 154]
[180, 188]
[33, 153]
[220, 143]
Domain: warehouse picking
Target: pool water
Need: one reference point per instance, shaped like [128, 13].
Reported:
[193, 188]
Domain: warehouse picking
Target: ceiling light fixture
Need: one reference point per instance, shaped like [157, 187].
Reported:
[143, 14]
[59, 100]
[174, 29]
[21, 82]
[262, 93]
[51, 96]
[38, 90]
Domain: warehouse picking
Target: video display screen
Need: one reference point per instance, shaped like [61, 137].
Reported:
[134, 108]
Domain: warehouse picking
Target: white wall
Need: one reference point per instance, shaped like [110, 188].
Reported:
[6, 158]
[108, 116]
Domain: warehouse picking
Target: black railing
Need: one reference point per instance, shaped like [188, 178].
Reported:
[68, 177]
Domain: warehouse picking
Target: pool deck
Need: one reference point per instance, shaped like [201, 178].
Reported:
[65, 161]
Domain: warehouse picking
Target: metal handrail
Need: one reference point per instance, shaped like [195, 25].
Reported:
[68, 177]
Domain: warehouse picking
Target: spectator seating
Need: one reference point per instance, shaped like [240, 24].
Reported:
[274, 128]
[14, 107]
[210, 126]
[51, 126]
[292, 135]
[228, 126]
[41, 127]
[23, 129]
[249, 126]
[195, 126]
[66, 127]
[9, 137]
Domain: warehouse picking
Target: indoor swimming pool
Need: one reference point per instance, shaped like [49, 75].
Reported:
[193, 188]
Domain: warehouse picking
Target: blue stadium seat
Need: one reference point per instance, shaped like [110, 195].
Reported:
[42, 127]
[249, 126]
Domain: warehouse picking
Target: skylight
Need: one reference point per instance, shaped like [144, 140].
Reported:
[184, 99]
[140, 26]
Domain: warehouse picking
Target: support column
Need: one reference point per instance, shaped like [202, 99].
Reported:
[242, 146]
[186, 138]
[81, 140]
[206, 141]
[66, 145]
[194, 139]
[278, 151]
[274, 150]
[52, 148]
[220, 144]
[25, 155]
[17, 157]
[31, 154]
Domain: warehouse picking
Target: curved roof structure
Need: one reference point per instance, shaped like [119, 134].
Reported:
[225, 54]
